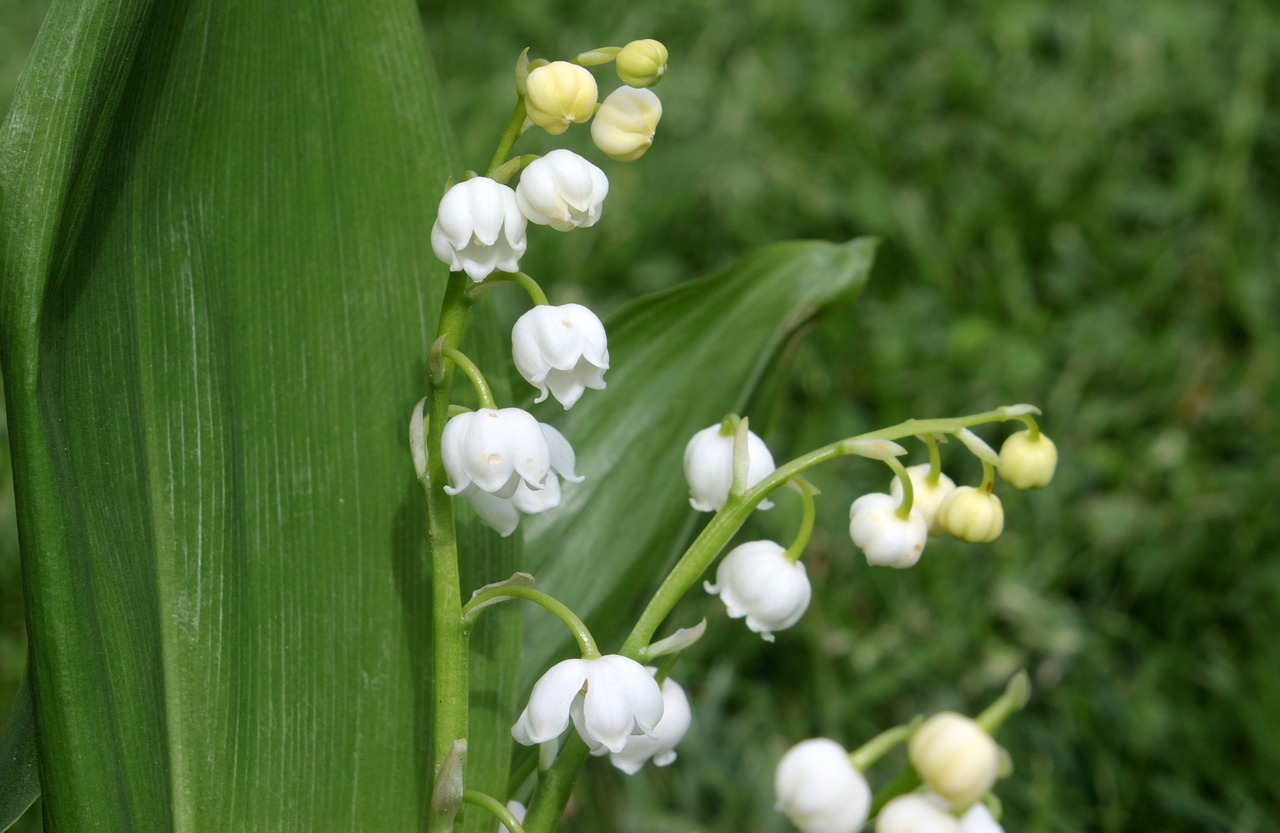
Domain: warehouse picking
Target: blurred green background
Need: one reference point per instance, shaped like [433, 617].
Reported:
[1079, 205]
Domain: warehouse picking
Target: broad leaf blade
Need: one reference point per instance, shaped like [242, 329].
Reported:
[217, 293]
[19, 778]
[681, 360]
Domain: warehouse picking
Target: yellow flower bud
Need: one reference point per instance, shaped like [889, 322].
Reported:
[972, 515]
[626, 122]
[1028, 463]
[955, 757]
[559, 94]
[642, 63]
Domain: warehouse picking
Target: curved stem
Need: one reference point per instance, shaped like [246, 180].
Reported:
[873, 750]
[509, 136]
[935, 459]
[1033, 427]
[495, 807]
[469, 367]
[796, 550]
[988, 484]
[908, 489]
[1014, 697]
[553, 605]
[528, 284]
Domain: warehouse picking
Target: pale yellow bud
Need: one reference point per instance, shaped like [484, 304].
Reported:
[972, 515]
[955, 757]
[559, 94]
[642, 63]
[624, 126]
[1027, 463]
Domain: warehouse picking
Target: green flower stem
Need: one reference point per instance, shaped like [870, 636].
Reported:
[509, 136]
[556, 607]
[904, 782]
[796, 550]
[495, 807]
[552, 794]
[1015, 696]
[468, 367]
[448, 636]
[554, 786]
[908, 490]
[873, 750]
[513, 166]
[988, 484]
[1033, 427]
[525, 282]
[935, 459]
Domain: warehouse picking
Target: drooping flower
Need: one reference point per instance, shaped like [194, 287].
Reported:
[608, 698]
[562, 190]
[625, 123]
[916, 813]
[671, 729]
[886, 539]
[559, 94]
[757, 581]
[927, 497]
[563, 349]
[972, 515]
[505, 462]
[642, 63]
[820, 791]
[1027, 463]
[708, 467]
[978, 819]
[955, 757]
[479, 228]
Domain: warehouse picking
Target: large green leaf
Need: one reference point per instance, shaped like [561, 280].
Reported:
[216, 292]
[681, 360]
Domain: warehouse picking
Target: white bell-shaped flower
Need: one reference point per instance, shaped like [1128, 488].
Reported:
[819, 789]
[625, 123]
[562, 190]
[608, 698]
[927, 497]
[978, 819]
[502, 512]
[479, 228]
[916, 813]
[757, 581]
[563, 349]
[671, 729]
[955, 757]
[886, 539]
[708, 467]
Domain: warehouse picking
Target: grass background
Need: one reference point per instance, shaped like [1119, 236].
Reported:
[1079, 207]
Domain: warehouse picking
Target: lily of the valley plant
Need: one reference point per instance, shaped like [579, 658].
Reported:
[622, 701]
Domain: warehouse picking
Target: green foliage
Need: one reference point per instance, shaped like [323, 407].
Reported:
[1078, 205]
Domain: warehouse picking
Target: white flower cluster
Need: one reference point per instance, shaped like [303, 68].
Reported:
[481, 224]
[821, 791]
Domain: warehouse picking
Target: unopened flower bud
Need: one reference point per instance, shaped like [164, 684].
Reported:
[927, 497]
[1027, 462]
[624, 126]
[972, 515]
[642, 63]
[886, 539]
[757, 581]
[916, 813]
[559, 94]
[820, 790]
[955, 757]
